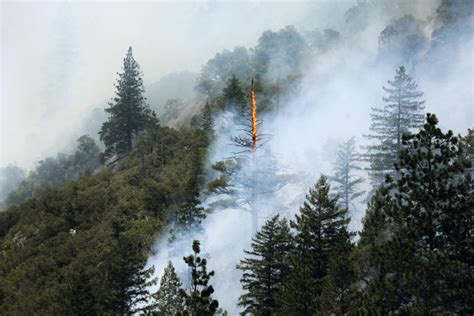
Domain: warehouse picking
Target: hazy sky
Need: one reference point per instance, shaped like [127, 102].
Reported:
[60, 59]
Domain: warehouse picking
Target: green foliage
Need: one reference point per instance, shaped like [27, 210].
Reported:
[53, 173]
[400, 115]
[190, 214]
[276, 63]
[198, 299]
[78, 250]
[226, 169]
[265, 268]
[206, 121]
[427, 257]
[318, 227]
[339, 294]
[219, 69]
[369, 255]
[168, 299]
[219, 185]
[82, 249]
[129, 113]
[234, 96]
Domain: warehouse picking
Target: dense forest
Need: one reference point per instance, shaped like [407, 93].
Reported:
[80, 234]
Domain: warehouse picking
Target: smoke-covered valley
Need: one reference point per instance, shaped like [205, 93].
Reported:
[324, 68]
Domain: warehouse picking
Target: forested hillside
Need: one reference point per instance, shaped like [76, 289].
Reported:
[304, 175]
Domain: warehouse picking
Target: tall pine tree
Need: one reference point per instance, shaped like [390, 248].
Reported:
[265, 268]
[428, 253]
[400, 114]
[318, 228]
[129, 113]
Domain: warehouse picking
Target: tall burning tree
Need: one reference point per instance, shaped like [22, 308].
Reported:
[249, 141]
[250, 174]
[254, 120]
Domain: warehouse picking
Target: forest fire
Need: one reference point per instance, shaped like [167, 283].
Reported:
[254, 120]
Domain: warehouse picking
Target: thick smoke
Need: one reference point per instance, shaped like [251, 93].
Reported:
[331, 104]
[59, 60]
[46, 95]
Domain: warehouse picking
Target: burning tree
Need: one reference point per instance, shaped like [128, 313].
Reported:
[250, 137]
[250, 172]
[262, 176]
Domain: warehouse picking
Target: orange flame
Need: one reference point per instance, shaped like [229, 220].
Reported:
[254, 119]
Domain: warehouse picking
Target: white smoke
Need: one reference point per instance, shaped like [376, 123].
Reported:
[332, 104]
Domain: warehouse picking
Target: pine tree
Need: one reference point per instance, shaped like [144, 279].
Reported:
[401, 114]
[198, 299]
[346, 182]
[131, 281]
[234, 96]
[129, 113]
[191, 214]
[371, 257]
[318, 227]
[339, 291]
[169, 300]
[265, 269]
[206, 121]
[428, 255]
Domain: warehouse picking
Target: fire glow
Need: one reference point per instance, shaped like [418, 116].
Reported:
[254, 120]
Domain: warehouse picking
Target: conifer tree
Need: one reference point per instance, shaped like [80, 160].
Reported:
[198, 299]
[318, 228]
[344, 167]
[371, 257]
[129, 113]
[191, 214]
[131, 281]
[168, 298]
[428, 255]
[401, 114]
[234, 96]
[265, 268]
[206, 121]
[339, 291]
